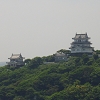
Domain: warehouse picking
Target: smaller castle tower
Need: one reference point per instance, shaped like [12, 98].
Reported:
[16, 60]
[81, 45]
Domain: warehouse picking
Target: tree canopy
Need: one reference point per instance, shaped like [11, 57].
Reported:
[76, 79]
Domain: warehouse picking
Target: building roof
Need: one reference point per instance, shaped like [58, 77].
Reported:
[15, 56]
[60, 54]
[80, 46]
[81, 36]
[85, 42]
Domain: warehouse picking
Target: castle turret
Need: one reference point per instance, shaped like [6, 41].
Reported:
[16, 60]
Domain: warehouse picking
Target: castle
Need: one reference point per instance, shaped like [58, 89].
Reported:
[81, 45]
[16, 60]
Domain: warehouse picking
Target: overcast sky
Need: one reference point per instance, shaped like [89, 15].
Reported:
[41, 27]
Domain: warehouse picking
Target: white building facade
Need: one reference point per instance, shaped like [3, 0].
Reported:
[81, 45]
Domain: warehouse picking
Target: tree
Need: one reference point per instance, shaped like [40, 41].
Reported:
[77, 61]
[90, 62]
[35, 62]
[85, 58]
[97, 51]
[95, 56]
[19, 98]
[27, 61]
[50, 58]
[64, 51]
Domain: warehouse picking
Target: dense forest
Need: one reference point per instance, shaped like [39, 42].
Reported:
[76, 79]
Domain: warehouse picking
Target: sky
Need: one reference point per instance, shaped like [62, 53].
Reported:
[42, 27]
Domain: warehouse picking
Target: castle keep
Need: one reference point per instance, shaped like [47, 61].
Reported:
[81, 45]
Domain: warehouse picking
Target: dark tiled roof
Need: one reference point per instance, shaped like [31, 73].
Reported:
[81, 47]
[88, 42]
[82, 36]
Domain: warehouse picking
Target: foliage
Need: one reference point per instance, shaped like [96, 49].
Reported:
[77, 79]
[35, 62]
[97, 51]
[64, 51]
[27, 61]
[49, 58]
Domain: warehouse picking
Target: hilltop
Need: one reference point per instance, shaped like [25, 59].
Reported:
[76, 79]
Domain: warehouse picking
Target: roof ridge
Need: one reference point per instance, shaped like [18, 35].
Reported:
[81, 34]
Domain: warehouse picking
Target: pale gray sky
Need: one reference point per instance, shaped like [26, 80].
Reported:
[41, 27]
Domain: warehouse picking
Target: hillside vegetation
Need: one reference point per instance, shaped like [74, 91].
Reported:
[77, 79]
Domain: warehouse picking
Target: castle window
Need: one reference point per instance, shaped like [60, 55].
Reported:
[73, 49]
[83, 49]
[79, 40]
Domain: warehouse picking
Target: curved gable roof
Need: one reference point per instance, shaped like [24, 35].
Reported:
[82, 36]
[15, 56]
